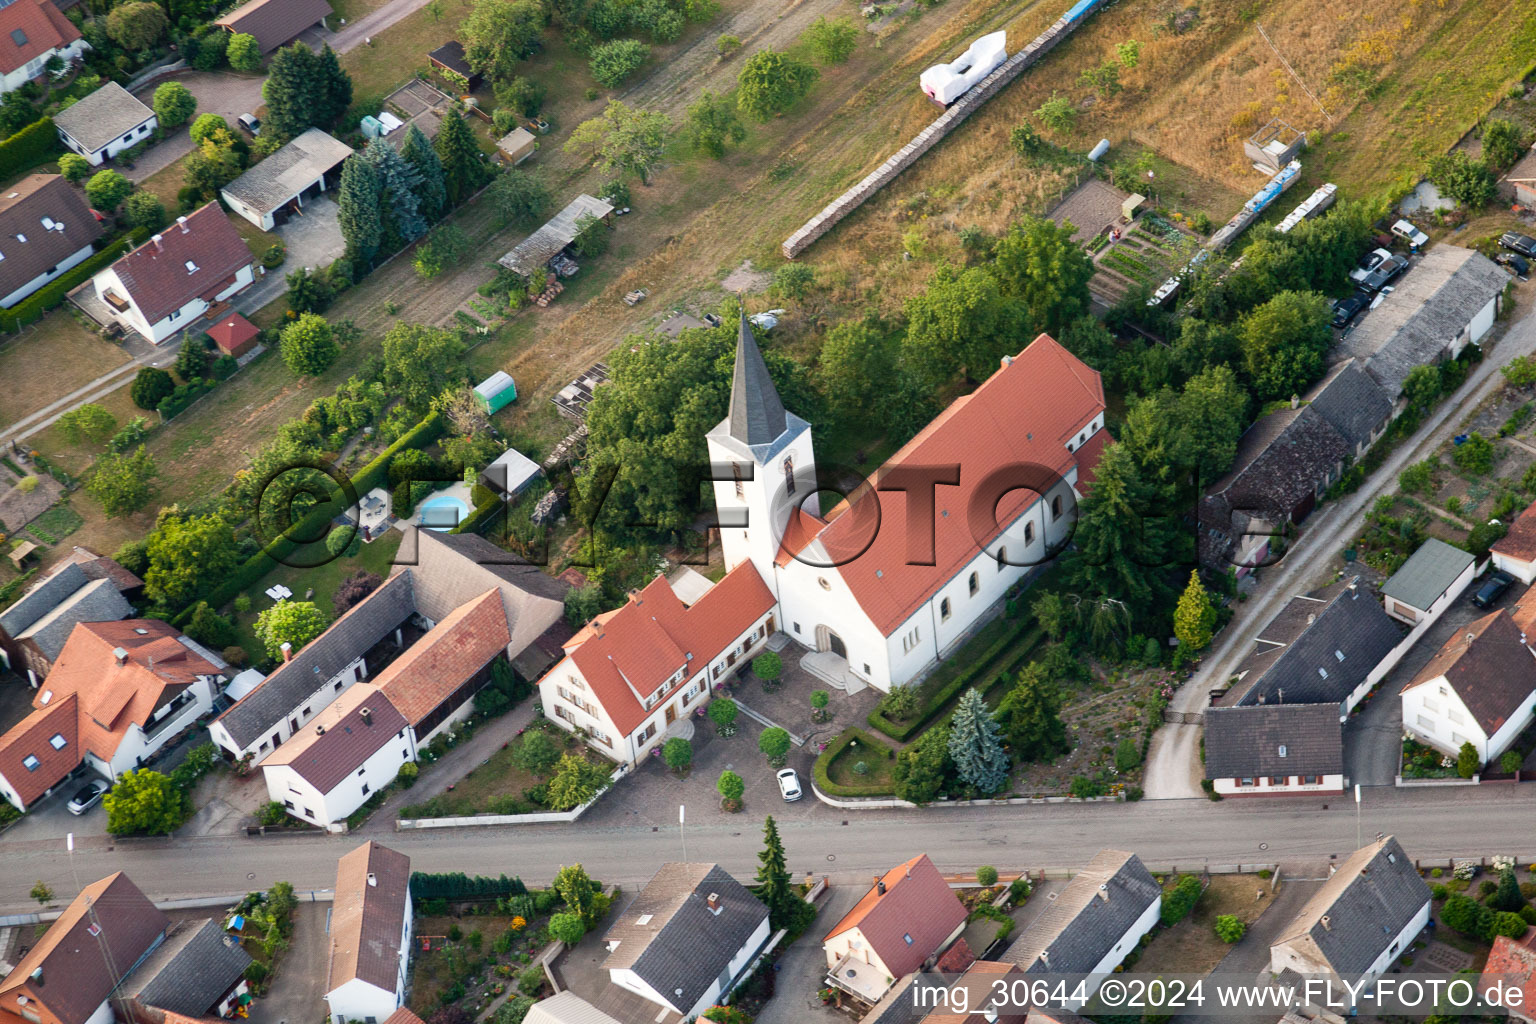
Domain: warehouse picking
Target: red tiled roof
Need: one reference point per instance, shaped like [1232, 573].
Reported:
[439, 663]
[368, 916]
[1088, 460]
[651, 637]
[916, 902]
[957, 958]
[232, 333]
[44, 29]
[29, 738]
[1520, 541]
[1025, 413]
[156, 274]
[402, 1016]
[1512, 962]
[798, 534]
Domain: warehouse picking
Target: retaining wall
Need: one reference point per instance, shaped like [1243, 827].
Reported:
[545, 818]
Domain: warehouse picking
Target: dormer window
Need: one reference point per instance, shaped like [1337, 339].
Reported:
[21, 238]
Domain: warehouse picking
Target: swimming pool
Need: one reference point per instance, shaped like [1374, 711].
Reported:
[442, 513]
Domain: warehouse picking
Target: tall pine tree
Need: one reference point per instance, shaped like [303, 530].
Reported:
[1030, 716]
[359, 210]
[774, 887]
[974, 746]
[397, 194]
[418, 152]
[462, 168]
[295, 92]
[336, 86]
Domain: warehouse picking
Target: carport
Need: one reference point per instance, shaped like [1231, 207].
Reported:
[277, 188]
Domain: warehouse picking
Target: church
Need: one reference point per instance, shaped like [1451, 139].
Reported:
[882, 585]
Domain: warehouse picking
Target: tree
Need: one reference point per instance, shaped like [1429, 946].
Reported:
[309, 293]
[566, 928]
[832, 39]
[536, 754]
[359, 212]
[1421, 388]
[614, 61]
[218, 160]
[582, 896]
[444, 248]
[767, 666]
[1283, 343]
[309, 345]
[303, 90]
[344, 542]
[819, 701]
[974, 745]
[463, 165]
[353, 589]
[107, 189]
[89, 422]
[432, 198]
[583, 604]
[74, 167]
[174, 105]
[144, 210]
[771, 82]
[1230, 928]
[1468, 761]
[209, 628]
[1462, 178]
[1475, 454]
[1030, 716]
[243, 52]
[591, 236]
[1194, 619]
[522, 95]
[1038, 264]
[122, 483]
[711, 123]
[421, 362]
[192, 359]
[773, 743]
[42, 893]
[856, 365]
[623, 139]
[1507, 896]
[1503, 142]
[924, 769]
[575, 782]
[722, 711]
[774, 886]
[1181, 899]
[963, 321]
[335, 86]
[150, 387]
[677, 753]
[292, 622]
[730, 787]
[144, 802]
[398, 181]
[186, 555]
[519, 195]
[136, 26]
[1058, 114]
[500, 33]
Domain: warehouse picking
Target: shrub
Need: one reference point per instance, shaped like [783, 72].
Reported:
[1436, 872]
[1438, 891]
[274, 256]
[1230, 928]
[1475, 455]
[774, 743]
[531, 981]
[1181, 899]
[1127, 754]
[1510, 761]
[407, 774]
[272, 813]
[986, 876]
[899, 704]
[613, 62]
[1467, 761]
[727, 45]
[677, 753]
[567, 928]
[1085, 788]
[866, 742]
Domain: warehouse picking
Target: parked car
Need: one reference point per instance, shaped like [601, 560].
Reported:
[1407, 232]
[1385, 273]
[250, 123]
[1517, 265]
[89, 796]
[1525, 245]
[1346, 309]
[1492, 589]
[789, 784]
[1369, 262]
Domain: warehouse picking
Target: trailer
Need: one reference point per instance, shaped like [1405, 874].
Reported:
[945, 83]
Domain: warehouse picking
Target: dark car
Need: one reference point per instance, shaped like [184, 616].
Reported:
[1516, 264]
[1525, 245]
[1385, 273]
[1346, 309]
[1492, 589]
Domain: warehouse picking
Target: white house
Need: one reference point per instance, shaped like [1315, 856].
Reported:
[370, 947]
[1479, 689]
[1274, 749]
[687, 939]
[1515, 552]
[32, 32]
[1428, 583]
[1099, 918]
[103, 124]
[45, 230]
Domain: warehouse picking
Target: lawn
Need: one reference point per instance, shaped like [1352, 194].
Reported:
[497, 786]
[1191, 946]
[378, 68]
[50, 359]
[842, 768]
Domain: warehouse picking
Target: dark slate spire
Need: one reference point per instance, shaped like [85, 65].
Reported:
[757, 415]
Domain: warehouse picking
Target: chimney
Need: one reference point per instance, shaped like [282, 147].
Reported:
[366, 714]
[183, 222]
[1326, 922]
[713, 902]
[319, 730]
[1311, 618]
[120, 655]
[1007, 361]
[157, 239]
[373, 879]
[1104, 892]
[879, 885]
[287, 651]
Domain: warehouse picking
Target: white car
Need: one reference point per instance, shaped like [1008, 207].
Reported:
[789, 784]
[1407, 232]
[1368, 264]
[89, 796]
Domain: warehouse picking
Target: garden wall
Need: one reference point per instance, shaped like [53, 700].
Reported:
[887, 803]
[544, 818]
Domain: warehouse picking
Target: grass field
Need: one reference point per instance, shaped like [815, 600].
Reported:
[1191, 946]
[48, 360]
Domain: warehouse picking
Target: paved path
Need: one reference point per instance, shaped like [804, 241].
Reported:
[351, 36]
[1173, 763]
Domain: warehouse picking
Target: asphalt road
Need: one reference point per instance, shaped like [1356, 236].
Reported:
[1294, 832]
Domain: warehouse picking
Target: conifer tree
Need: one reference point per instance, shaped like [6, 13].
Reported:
[294, 92]
[418, 152]
[773, 882]
[359, 213]
[336, 85]
[462, 169]
[1030, 716]
[1194, 618]
[398, 181]
[974, 745]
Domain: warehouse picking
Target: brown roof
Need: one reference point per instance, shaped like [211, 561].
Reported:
[156, 273]
[439, 663]
[1489, 666]
[232, 332]
[1512, 962]
[42, 27]
[76, 976]
[274, 22]
[917, 902]
[402, 1016]
[30, 738]
[339, 739]
[99, 567]
[1520, 541]
[977, 988]
[48, 213]
[367, 919]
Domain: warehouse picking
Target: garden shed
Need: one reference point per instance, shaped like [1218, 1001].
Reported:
[517, 145]
[449, 60]
[234, 334]
[511, 474]
[544, 244]
[496, 392]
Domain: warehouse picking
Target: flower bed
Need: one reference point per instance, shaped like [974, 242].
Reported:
[835, 772]
[1425, 762]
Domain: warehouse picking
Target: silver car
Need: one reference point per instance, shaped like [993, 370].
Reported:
[789, 784]
[89, 796]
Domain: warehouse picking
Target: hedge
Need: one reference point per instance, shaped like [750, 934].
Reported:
[54, 292]
[824, 781]
[179, 400]
[35, 144]
[477, 520]
[459, 886]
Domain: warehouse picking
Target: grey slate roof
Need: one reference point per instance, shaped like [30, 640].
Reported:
[1280, 460]
[1299, 650]
[289, 171]
[538, 248]
[1352, 402]
[97, 601]
[191, 970]
[453, 569]
[1074, 933]
[104, 115]
[684, 945]
[1431, 305]
[757, 414]
[349, 637]
[1245, 742]
[1427, 574]
[1368, 901]
[42, 599]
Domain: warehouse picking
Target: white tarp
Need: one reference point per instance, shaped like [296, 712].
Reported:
[946, 83]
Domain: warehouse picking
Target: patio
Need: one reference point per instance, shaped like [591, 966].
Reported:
[789, 706]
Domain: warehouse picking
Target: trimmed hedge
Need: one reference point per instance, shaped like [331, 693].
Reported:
[54, 292]
[178, 401]
[824, 781]
[35, 144]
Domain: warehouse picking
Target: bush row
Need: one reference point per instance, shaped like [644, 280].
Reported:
[50, 295]
[35, 144]
[177, 402]
[837, 746]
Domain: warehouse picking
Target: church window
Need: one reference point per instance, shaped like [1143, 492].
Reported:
[1056, 508]
[1002, 558]
[741, 492]
[974, 584]
[824, 584]
[944, 609]
[789, 475]
[1029, 533]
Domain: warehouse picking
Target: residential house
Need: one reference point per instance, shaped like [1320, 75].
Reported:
[276, 189]
[31, 33]
[1515, 552]
[102, 124]
[1447, 300]
[687, 940]
[444, 573]
[174, 278]
[86, 587]
[1479, 689]
[566, 1008]
[275, 22]
[70, 974]
[370, 947]
[629, 674]
[1511, 971]
[984, 994]
[197, 971]
[1426, 585]
[1362, 919]
[1354, 405]
[119, 692]
[1324, 647]
[1275, 749]
[356, 745]
[908, 916]
[45, 229]
[1097, 919]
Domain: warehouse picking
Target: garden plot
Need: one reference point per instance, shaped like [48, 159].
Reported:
[1150, 253]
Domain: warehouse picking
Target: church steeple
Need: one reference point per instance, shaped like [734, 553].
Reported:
[757, 414]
